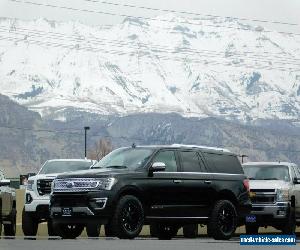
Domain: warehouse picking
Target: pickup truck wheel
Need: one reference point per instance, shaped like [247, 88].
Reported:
[223, 221]
[251, 228]
[68, 231]
[10, 229]
[190, 231]
[50, 228]
[108, 231]
[93, 230]
[290, 226]
[165, 232]
[153, 230]
[128, 219]
[29, 224]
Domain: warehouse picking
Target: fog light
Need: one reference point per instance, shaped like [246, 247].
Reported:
[281, 212]
[28, 198]
[100, 202]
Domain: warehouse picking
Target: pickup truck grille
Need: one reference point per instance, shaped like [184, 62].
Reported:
[44, 186]
[263, 196]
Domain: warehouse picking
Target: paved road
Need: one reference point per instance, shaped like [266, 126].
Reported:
[137, 244]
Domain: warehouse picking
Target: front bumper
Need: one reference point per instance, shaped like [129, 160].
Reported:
[90, 207]
[269, 212]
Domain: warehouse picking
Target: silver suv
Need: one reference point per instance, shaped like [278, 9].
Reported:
[275, 196]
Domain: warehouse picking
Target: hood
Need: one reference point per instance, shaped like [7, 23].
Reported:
[43, 176]
[97, 172]
[268, 184]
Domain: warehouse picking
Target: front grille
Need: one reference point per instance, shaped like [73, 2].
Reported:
[263, 199]
[263, 190]
[44, 186]
[263, 196]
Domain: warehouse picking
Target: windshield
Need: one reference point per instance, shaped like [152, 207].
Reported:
[262, 172]
[52, 167]
[125, 158]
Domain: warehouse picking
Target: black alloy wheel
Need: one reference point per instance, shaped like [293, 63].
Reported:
[223, 221]
[128, 219]
[131, 216]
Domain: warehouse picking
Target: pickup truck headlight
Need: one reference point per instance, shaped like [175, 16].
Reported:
[30, 184]
[283, 195]
[82, 184]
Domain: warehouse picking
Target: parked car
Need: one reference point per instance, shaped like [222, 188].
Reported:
[165, 186]
[38, 189]
[8, 210]
[275, 192]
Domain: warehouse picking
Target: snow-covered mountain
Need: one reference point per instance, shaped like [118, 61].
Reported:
[195, 67]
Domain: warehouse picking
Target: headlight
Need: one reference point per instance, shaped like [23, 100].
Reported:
[283, 195]
[82, 184]
[30, 185]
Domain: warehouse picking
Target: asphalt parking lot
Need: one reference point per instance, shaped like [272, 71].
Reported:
[136, 244]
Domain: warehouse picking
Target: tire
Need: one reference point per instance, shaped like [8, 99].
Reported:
[29, 223]
[153, 230]
[290, 226]
[68, 231]
[108, 232]
[0, 217]
[252, 228]
[128, 219]
[10, 229]
[165, 232]
[93, 230]
[223, 221]
[50, 228]
[190, 231]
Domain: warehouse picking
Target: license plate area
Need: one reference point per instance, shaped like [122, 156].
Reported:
[250, 218]
[66, 211]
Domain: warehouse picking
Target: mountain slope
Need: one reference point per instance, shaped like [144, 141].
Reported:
[196, 67]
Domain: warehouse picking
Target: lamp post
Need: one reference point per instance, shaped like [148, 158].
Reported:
[243, 156]
[85, 132]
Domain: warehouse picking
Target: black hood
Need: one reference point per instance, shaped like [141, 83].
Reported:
[96, 172]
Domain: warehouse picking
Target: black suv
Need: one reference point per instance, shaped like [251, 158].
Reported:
[167, 187]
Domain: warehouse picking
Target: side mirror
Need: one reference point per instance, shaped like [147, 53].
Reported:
[157, 167]
[4, 182]
[296, 180]
[31, 174]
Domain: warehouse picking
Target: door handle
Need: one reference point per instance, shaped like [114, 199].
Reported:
[177, 181]
[207, 182]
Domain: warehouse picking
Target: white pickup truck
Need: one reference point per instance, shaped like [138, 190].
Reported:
[275, 196]
[37, 195]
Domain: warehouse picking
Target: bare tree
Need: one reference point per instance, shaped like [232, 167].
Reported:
[101, 148]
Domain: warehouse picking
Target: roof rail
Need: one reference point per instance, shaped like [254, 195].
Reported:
[202, 147]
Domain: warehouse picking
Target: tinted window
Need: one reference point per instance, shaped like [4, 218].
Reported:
[168, 158]
[223, 163]
[190, 162]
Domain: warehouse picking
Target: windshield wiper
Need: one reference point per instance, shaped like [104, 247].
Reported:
[270, 179]
[116, 166]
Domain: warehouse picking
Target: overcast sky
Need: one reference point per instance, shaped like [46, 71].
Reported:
[273, 10]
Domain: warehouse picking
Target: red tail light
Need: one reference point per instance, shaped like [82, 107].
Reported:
[246, 184]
